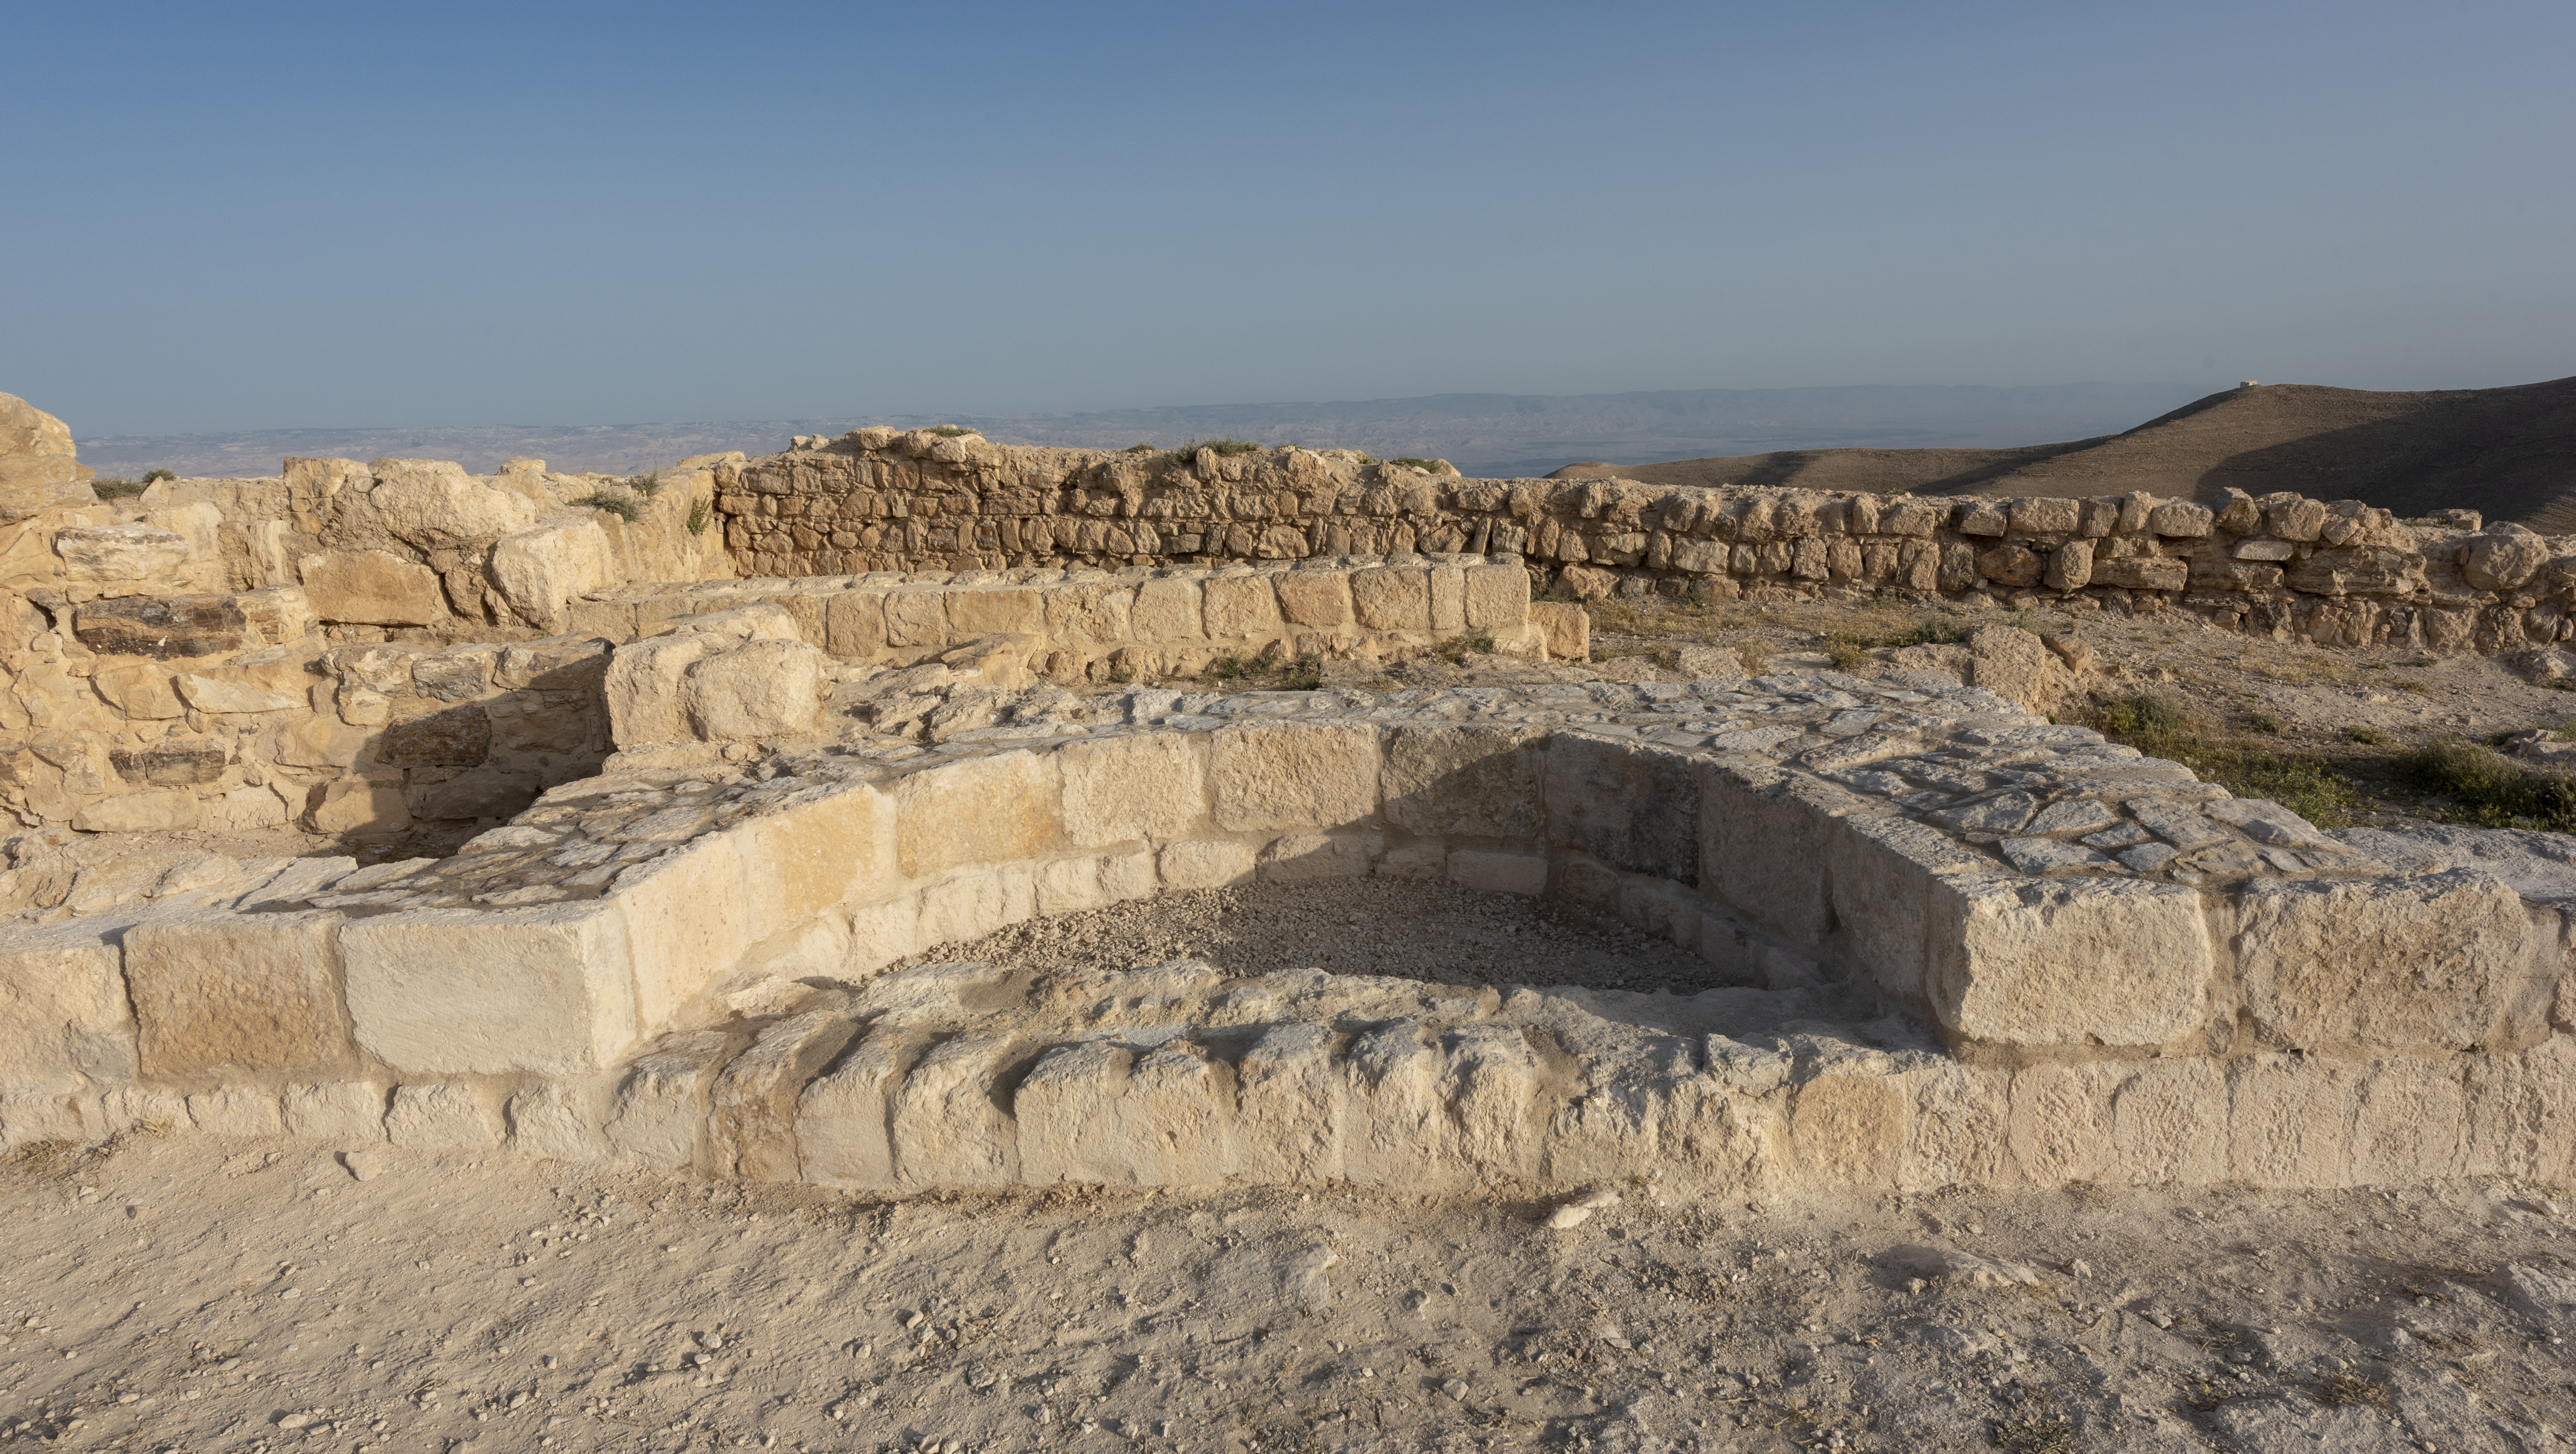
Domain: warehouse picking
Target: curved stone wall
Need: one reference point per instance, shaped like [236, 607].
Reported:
[2131, 977]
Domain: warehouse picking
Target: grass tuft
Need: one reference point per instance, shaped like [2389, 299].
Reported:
[111, 487]
[701, 514]
[2345, 1390]
[647, 484]
[951, 431]
[1142, 446]
[1226, 448]
[155, 476]
[2305, 784]
[1455, 649]
[621, 506]
[2367, 736]
[1413, 461]
[1306, 673]
[2490, 789]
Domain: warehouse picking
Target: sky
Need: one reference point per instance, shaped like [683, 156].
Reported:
[249, 216]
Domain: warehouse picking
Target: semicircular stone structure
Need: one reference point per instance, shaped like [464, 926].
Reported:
[2092, 966]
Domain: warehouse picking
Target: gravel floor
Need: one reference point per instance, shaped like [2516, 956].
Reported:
[1406, 928]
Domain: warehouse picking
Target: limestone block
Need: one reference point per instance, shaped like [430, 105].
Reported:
[1396, 1130]
[1565, 629]
[1497, 596]
[916, 616]
[1294, 776]
[236, 1110]
[1304, 857]
[973, 904]
[1609, 1134]
[645, 687]
[1881, 877]
[1002, 610]
[1320, 599]
[2411, 1124]
[2180, 519]
[854, 626]
[1499, 873]
[1090, 611]
[1093, 881]
[132, 1107]
[1762, 830]
[246, 991]
[139, 813]
[343, 1112]
[215, 695]
[121, 554]
[2015, 665]
[1427, 858]
[546, 990]
[167, 627]
[435, 505]
[1468, 782]
[659, 1111]
[1490, 1083]
[1101, 1114]
[1850, 1128]
[64, 1016]
[1206, 864]
[885, 932]
[2504, 559]
[2290, 1121]
[248, 807]
[553, 1119]
[354, 805]
[2169, 1125]
[843, 1117]
[141, 691]
[1633, 806]
[760, 689]
[541, 572]
[1392, 598]
[751, 1120]
[2435, 962]
[1448, 599]
[1291, 1106]
[1660, 907]
[443, 1117]
[2061, 1122]
[1167, 610]
[2070, 566]
[996, 809]
[372, 587]
[1118, 789]
[2068, 962]
[1959, 1132]
[1242, 608]
[949, 1128]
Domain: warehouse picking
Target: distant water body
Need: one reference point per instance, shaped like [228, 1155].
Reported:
[1493, 435]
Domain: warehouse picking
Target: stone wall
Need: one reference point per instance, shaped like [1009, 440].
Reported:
[2133, 978]
[2337, 573]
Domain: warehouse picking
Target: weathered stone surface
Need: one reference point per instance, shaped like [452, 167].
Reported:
[103, 553]
[1206, 864]
[37, 469]
[163, 627]
[219, 695]
[2437, 962]
[372, 587]
[1119, 789]
[983, 810]
[455, 737]
[1389, 599]
[2504, 558]
[1293, 776]
[1497, 596]
[1241, 608]
[444, 1117]
[2068, 963]
[752, 1107]
[64, 1016]
[758, 689]
[659, 1113]
[340, 1112]
[842, 1119]
[540, 572]
[950, 1129]
[1635, 807]
[435, 505]
[1465, 781]
[250, 992]
[460, 992]
[161, 812]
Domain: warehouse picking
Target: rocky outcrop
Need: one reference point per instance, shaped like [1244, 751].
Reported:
[38, 468]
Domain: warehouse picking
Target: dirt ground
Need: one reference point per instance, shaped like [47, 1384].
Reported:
[183, 1294]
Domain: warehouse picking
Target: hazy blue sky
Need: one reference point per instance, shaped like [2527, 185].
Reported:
[270, 215]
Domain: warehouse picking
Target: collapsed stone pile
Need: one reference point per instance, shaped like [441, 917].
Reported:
[2336, 573]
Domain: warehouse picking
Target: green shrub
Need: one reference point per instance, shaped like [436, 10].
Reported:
[2489, 788]
[154, 476]
[2368, 736]
[951, 431]
[1848, 649]
[112, 487]
[1415, 461]
[701, 514]
[2303, 783]
[1142, 446]
[647, 484]
[1306, 673]
[2146, 714]
[1937, 629]
[1456, 648]
[1226, 448]
[621, 506]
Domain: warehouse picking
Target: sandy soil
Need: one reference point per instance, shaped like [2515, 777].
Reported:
[187, 1295]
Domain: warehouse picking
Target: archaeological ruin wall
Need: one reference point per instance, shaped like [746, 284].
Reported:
[2334, 573]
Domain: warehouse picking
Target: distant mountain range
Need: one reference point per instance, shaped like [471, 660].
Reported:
[1493, 435]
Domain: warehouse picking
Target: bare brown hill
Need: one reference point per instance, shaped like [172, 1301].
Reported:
[2509, 453]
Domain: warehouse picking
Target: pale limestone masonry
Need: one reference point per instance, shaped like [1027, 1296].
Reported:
[2097, 967]
[2335, 573]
